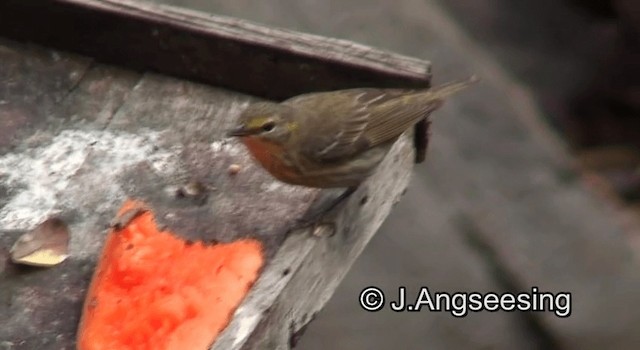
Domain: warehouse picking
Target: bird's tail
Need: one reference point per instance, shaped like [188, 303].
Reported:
[444, 90]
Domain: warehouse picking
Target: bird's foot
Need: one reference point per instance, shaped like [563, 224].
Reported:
[322, 215]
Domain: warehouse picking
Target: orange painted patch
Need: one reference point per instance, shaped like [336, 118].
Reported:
[153, 290]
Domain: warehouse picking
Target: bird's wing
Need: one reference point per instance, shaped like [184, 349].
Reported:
[342, 122]
[392, 118]
[368, 117]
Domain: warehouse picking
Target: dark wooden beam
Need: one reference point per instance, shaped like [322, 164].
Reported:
[79, 137]
[221, 51]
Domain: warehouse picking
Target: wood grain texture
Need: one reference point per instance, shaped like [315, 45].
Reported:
[305, 273]
[493, 153]
[222, 51]
[27, 99]
[227, 52]
[115, 134]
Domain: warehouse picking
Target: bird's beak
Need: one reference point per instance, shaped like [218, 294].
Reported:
[239, 131]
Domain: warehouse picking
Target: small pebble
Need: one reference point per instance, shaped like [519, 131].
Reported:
[234, 169]
[192, 189]
[324, 230]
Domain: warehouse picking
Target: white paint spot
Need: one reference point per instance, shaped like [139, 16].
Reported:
[270, 187]
[230, 147]
[246, 325]
[37, 176]
[164, 163]
[217, 146]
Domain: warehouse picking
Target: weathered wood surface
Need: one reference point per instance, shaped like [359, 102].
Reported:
[492, 165]
[222, 51]
[268, 62]
[79, 137]
[492, 153]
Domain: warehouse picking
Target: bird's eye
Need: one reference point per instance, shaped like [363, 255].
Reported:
[268, 126]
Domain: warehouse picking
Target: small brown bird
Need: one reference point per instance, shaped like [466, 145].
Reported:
[337, 138]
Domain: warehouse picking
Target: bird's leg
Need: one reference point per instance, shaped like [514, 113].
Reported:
[324, 210]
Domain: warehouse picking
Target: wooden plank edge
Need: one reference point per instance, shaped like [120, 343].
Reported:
[303, 275]
[207, 48]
